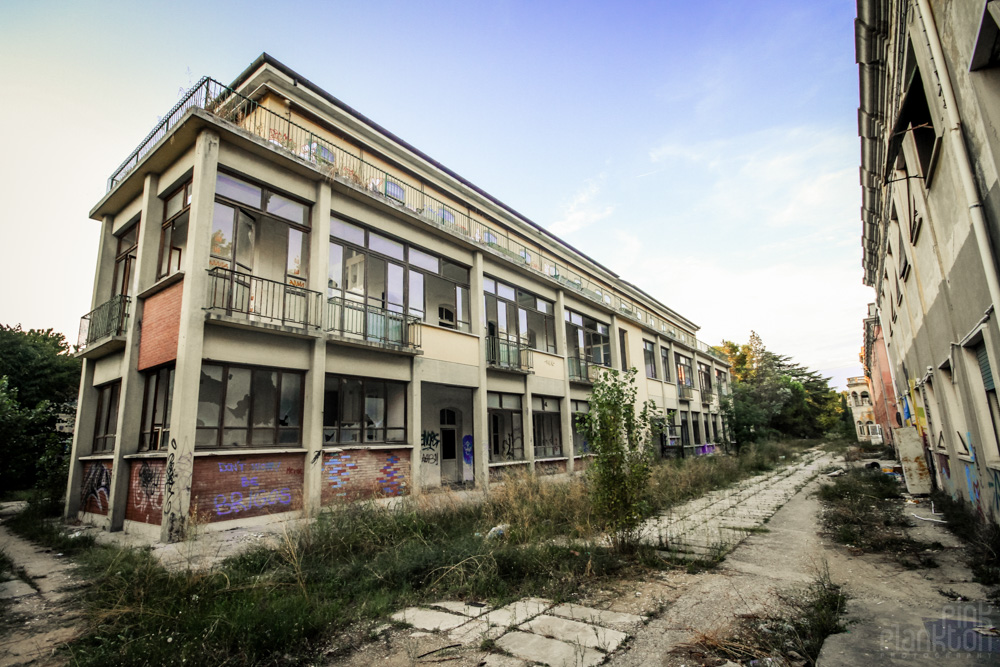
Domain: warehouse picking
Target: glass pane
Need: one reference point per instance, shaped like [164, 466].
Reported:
[545, 306]
[440, 301]
[376, 281]
[291, 400]
[298, 254]
[415, 298]
[206, 437]
[241, 191]
[210, 396]
[354, 273]
[352, 403]
[174, 205]
[331, 401]
[385, 246]
[462, 301]
[454, 272]
[237, 397]
[168, 397]
[112, 426]
[347, 231]
[394, 288]
[335, 273]
[265, 394]
[423, 260]
[289, 436]
[395, 405]
[283, 207]
[489, 285]
[234, 437]
[222, 231]
[374, 410]
[263, 436]
[128, 239]
[526, 300]
[505, 291]
[245, 225]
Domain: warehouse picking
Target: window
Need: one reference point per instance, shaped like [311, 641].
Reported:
[665, 362]
[986, 53]
[705, 377]
[128, 240]
[371, 277]
[986, 372]
[173, 235]
[720, 382]
[649, 358]
[107, 417]
[259, 232]
[546, 427]
[685, 375]
[519, 317]
[587, 339]
[157, 397]
[368, 410]
[623, 348]
[579, 409]
[241, 407]
[504, 421]
[685, 433]
[904, 262]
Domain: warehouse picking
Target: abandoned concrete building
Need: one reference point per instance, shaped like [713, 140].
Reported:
[860, 400]
[929, 120]
[292, 306]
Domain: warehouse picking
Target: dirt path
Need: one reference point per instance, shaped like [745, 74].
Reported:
[42, 614]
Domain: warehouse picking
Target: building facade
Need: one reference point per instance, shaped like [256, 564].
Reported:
[292, 306]
[878, 370]
[860, 400]
[929, 120]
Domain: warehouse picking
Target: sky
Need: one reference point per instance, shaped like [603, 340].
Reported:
[706, 152]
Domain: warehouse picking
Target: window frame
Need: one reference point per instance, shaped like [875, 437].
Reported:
[649, 358]
[106, 425]
[336, 431]
[158, 425]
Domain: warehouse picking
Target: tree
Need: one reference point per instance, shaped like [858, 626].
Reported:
[621, 436]
[38, 384]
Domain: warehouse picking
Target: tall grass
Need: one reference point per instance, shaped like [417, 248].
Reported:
[981, 536]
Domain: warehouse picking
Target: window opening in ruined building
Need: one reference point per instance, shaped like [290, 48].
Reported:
[665, 363]
[519, 317]
[505, 421]
[685, 375]
[363, 410]
[156, 405]
[623, 348]
[649, 358]
[986, 52]
[126, 244]
[106, 426]
[174, 232]
[588, 343]
[579, 409]
[705, 377]
[546, 427]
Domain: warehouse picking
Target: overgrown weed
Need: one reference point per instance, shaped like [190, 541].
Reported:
[38, 522]
[981, 537]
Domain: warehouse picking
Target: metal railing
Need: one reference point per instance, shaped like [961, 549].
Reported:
[340, 164]
[262, 300]
[353, 319]
[685, 392]
[706, 394]
[582, 369]
[508, 354]
[108, 319]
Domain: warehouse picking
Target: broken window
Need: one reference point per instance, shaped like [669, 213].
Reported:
[665, 362]
[106, 426]
[157, 397]
[579, 409]
[242, 406]
[685, 375]
[588, 342]
[528, 319]
[649, 358]
[363, 410]
[504, 421]
[546, 427]
[174, 232]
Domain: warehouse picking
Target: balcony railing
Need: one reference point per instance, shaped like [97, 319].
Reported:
[261, 300]
[353, 319]
[685, 392]
[706, 394]
[108, 319]
[582, 369]
[339, 163]
[508, 354]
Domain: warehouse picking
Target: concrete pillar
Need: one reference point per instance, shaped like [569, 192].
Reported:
[616, 351]
[414, 394]
[86, 402]
[480, 426]
[527, 410]
[566, 407]
[131, 395]
[190, 341]
[315, 389]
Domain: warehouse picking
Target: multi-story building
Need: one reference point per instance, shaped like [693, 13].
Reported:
[860, 400]
[929, 122]
[293, 306]
[878, 370]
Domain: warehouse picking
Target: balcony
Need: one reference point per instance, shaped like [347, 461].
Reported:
[685, 392]
[102, 330]
[354, 321]
[263, 302]
[582, 369]
[508, 355]
[706, 395]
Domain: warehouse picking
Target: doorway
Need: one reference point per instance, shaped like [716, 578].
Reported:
[450, 470]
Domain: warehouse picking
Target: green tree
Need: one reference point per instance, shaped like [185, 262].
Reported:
[621, 436]
[39, 364]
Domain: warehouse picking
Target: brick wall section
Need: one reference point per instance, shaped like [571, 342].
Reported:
[550, 467]
[581, 463]
[497, 473]
[238, 487]
[96, 487]
[145, 491]
[161, 321]
[360, 473]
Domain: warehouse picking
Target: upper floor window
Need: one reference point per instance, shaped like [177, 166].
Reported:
[174, 233]
[260, 232]
[126, 244]
[665, 359]
[106, 427]
[588, 339]
[623, 348]
[518, 316]
[158, 395]
[705, 376]
[685, 375]
[649, 358]
[372, 269]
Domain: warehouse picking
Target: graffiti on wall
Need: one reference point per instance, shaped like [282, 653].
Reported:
[178, 468]
[147, 494]
[467, 450]
[430, 441]
[337, 470]
[252, 493]
[994, 485]
[97, 487]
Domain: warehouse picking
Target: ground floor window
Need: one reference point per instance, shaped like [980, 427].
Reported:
[157, 396]
[579, 409]
[505, 423]
[240, 406]
[107, 417]
[363, 410]
[546, 427]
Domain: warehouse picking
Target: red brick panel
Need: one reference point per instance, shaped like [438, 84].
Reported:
[550, 467]
[145, 491]
[96, 487]
[361, 473]
[237, 487]
[161, 324]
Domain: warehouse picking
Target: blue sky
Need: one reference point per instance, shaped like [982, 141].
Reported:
[707, 152]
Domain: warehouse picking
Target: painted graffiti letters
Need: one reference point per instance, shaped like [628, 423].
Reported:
[252, 493]
[430, 441]
[147, 494]
[97, 486]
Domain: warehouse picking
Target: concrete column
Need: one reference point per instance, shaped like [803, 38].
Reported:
[414, 410]
[131, 395]
[616, 351]
[315, 389]
[566, 411]
[480, 426]
[86, 402]
[528, 436]
[190, 341]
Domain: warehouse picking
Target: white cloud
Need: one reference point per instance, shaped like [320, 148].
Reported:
[582, 211]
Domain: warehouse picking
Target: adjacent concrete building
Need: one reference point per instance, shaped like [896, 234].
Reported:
[293, 306]
[860, 400]
[878, 370]
[929, 120]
